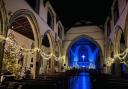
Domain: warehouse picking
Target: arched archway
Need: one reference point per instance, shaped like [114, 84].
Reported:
[84, 52]
[126, 31]
[120, 47]
[32, 21]
[118, 36]
[24, 33]
[48, 48]
[124, 41]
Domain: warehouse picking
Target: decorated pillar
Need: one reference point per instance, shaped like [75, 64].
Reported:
[3, 30]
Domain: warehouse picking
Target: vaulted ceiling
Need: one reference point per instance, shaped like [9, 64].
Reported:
[22, 26]
[82, 12]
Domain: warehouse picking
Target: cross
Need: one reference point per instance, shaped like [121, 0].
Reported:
[83, 57]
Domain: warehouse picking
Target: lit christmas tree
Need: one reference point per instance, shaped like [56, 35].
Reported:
[10, 62]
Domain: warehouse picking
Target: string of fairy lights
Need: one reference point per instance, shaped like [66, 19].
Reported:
[122, 56]
[30, 51]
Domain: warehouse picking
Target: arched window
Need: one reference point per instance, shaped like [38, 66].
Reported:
[50, 19]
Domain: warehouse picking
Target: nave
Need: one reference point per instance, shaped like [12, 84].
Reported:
[71, 79]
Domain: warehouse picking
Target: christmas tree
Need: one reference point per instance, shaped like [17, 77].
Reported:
[10, 62]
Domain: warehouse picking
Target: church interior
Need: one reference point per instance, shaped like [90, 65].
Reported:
[59, 44]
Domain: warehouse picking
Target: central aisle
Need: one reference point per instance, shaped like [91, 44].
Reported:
[80, 81]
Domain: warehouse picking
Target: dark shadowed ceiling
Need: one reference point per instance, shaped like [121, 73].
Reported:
[87, 12]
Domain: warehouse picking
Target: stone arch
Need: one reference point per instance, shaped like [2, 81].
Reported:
[33, 22]
[48, 33]
[126, 31]
[93, 41]
[117, 40]
[50, 41]
[35, 32]
[119, 47]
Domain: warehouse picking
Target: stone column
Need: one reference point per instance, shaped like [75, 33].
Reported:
[117, 68]
[1, 55]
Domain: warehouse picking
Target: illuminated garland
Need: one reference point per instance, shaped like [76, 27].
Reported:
[120, 56]
[109, 60]
[2, 38]
[43, 54]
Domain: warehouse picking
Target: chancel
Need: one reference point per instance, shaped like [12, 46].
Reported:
[84, 53]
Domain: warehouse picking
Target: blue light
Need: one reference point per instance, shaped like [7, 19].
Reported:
[82, 81]
[123, 68]
[83, 53]
[83, 66]
[83, 57]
